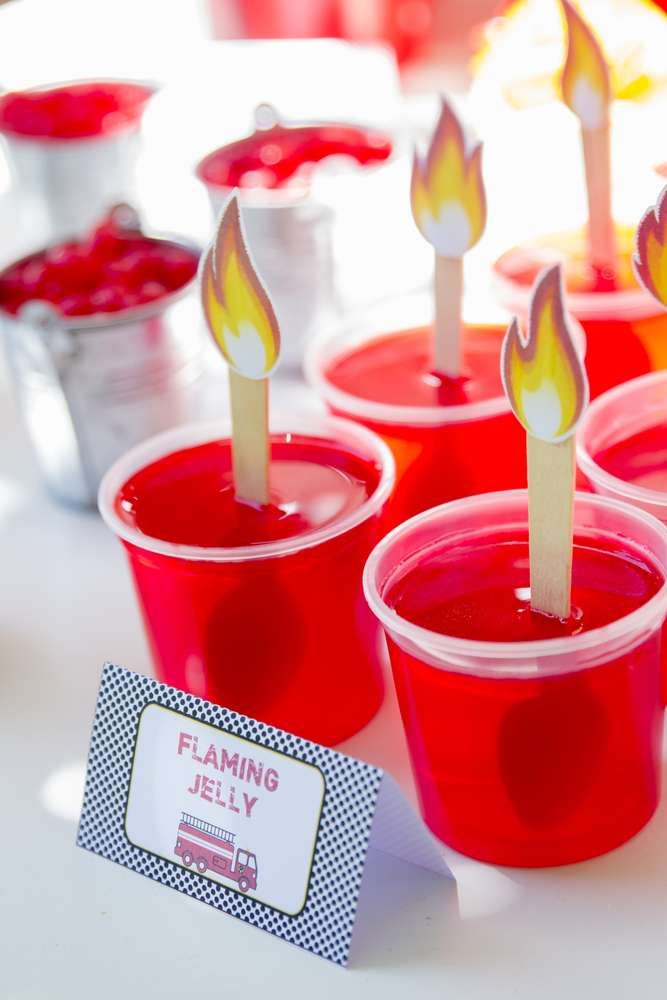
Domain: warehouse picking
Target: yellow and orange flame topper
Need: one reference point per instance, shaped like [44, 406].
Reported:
[237, 307]
[447, 190]
[650, 258]
[543, 375]
[586, 78]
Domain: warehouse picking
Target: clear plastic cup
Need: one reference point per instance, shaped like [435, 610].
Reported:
[626, 330]
[436, 448]
[278, 630]
[529, 753]
[613, 419]
[617, 420]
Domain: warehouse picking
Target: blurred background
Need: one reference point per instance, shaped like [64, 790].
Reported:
[379, 62]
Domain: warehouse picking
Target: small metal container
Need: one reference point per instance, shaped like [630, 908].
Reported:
[330, 242]
[74, 181]
[91, 387]
[290, 232]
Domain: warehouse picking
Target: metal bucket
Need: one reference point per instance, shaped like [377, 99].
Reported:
[89, 388]
[74, 181]
[291, 238]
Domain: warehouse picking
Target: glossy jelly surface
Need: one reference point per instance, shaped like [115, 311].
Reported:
[188, 497]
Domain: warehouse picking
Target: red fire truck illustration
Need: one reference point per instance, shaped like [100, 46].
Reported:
[210, 847]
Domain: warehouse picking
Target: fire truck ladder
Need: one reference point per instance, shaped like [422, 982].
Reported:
[214, 831]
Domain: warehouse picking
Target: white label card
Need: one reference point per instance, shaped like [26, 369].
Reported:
[242, 815]
[252, 820]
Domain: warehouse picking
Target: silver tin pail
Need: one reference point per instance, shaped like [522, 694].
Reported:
[290, 236]
[74, 181]
[89, 388]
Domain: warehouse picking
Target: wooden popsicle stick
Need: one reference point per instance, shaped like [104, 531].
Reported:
[250, 437]
[448, 303]
[597, 162]
[550, 524]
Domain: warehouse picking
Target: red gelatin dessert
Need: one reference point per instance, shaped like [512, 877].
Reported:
[275, 157]
[113, 269]
[534, 741]
[640, 459]
[259, 609]
[73, 110]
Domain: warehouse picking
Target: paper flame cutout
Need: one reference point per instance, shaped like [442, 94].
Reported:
[586, 79]
[650, 257]
[236, 305]
[447, 190]
[543, 375]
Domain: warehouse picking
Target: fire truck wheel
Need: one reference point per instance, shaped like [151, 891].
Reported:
[243, 884]
[187, 858]
[201, 866]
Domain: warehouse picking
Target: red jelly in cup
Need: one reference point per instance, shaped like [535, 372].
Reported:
[622, 449]
[626, 331]
[77, 110]
[113, 269]
[260, 610]
[533, 741]
[450, 438]
[622, 443]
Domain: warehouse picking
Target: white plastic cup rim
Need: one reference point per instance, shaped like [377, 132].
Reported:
[190, 435]
[514, 659]
[599, 476]
[321, 351]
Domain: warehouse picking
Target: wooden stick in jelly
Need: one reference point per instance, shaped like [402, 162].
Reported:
[448, 302]
[545, 382]
[550, 514]
[250, 437]
[449, 207]
[243, 323]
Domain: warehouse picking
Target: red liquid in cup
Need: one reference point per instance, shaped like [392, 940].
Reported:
[287, 639]
[111, 270]
[446, 460]
[275, 157]
[640, 459]
[618, 346]
[519, 771]
[73, 110]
